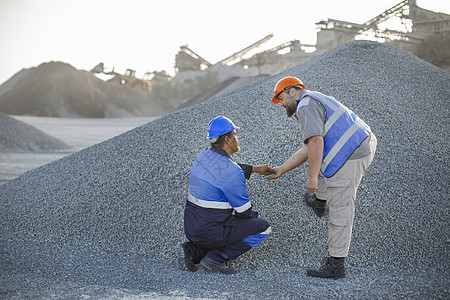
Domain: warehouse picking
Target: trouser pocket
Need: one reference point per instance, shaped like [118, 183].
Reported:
[340, 217]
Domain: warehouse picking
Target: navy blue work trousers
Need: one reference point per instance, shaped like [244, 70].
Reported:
[232, 246]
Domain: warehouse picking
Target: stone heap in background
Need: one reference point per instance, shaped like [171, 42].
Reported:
[17, 136]
[57, 89]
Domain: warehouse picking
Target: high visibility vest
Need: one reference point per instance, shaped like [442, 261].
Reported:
[343, 131]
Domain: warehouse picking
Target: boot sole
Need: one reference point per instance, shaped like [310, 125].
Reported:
[318, 276]
[214, 269]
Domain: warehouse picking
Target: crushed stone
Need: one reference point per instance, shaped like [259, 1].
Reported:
[17, 136]
[111, 215]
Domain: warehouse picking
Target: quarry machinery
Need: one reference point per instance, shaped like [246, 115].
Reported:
[128, 79]
[272, 56]
[241, 53]
[187, 60]
[422, 22]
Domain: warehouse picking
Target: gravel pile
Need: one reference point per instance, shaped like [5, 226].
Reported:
[17, 136]
[57, 89]
[107, 221]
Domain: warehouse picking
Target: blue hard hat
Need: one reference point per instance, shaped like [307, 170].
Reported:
[220, 125]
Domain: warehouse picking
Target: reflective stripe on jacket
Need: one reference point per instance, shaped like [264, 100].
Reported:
[343, 131]
[216, 187]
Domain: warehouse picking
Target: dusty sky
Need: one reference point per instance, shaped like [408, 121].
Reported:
[145, 35]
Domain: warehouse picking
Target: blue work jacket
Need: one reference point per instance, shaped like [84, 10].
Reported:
[217, 195]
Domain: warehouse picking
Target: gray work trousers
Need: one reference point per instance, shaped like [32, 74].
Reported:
[340, 193]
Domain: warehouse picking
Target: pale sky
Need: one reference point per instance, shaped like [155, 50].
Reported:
[146, 35]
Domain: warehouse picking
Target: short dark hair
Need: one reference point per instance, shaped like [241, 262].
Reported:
[221, 140]
[297, 87]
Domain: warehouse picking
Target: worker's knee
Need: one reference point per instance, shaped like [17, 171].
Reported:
[261, 225]
[256, 239]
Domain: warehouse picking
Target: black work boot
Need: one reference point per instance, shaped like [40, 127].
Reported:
[216, 267]
[319, 206]
[332, 268]
[187, 262]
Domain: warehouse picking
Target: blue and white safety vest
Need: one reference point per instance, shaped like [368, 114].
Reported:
[343, 131]
[216, 187]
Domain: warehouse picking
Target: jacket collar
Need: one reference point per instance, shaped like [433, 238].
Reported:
[301, 97]
[220, 151]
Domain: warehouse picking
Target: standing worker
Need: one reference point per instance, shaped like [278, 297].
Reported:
[218, 218]
[339, 147]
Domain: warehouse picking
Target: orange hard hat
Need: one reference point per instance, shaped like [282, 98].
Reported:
[284, 83]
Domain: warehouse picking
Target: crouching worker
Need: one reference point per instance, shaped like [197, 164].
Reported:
[218, 218]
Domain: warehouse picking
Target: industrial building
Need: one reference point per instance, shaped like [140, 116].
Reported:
[415, 24]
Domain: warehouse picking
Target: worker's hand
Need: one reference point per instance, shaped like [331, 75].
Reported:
[312, 185]
[263, 169]
[277, 173]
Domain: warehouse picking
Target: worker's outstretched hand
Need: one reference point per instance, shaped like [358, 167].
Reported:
[263, 169]
[277, 173]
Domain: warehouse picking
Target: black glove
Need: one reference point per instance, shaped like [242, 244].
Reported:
[248, 214]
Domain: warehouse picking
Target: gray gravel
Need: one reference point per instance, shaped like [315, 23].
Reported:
[107, 221]
[17, 136]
